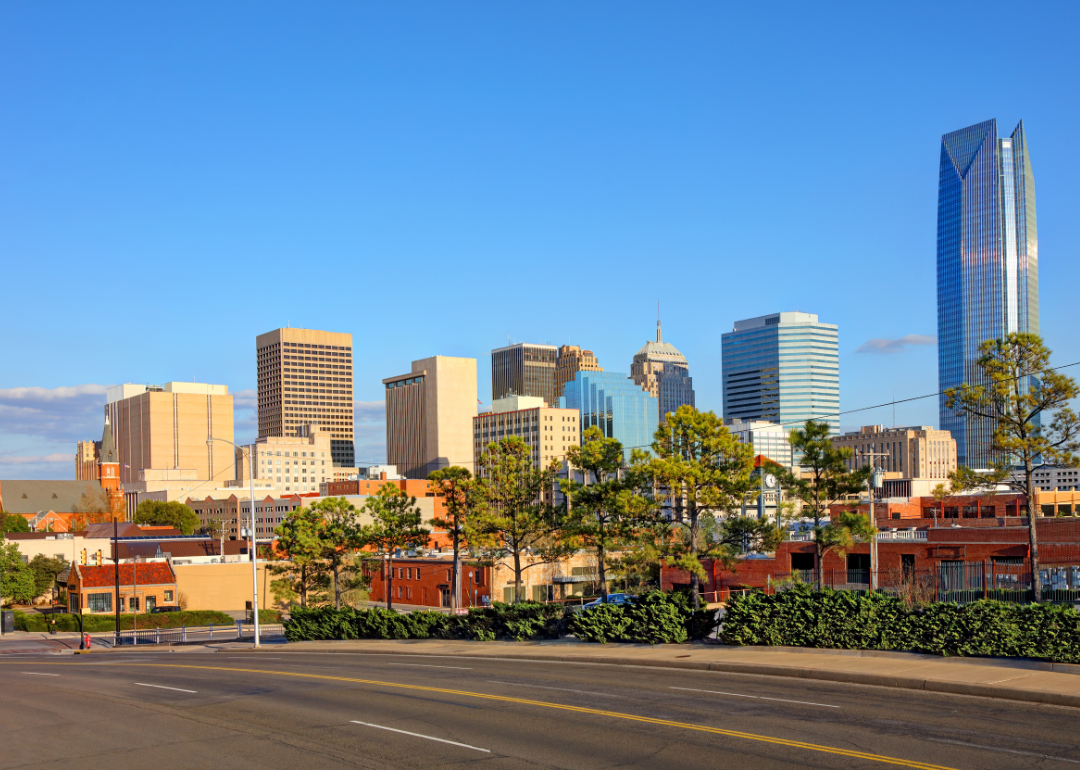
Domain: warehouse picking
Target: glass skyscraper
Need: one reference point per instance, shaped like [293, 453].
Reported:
[616, 405]
[987, 263]
[782, 368]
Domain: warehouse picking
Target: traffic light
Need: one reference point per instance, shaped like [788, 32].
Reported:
[99, 560]
[82, 558]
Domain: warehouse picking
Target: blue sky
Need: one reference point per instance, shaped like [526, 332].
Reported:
[436, 178]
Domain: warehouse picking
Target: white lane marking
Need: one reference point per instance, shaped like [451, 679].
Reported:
[756, 697]
[163, 687]
[38, 673]
[428, 665]
[560, 689]
[418, 735]
[1007, 751]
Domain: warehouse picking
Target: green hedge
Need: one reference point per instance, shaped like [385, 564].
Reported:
[38, 622]
[879, 621]
[656, 618]
[500, 621]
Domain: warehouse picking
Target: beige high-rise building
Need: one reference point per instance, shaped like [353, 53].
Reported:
[289, 463]
[86, 460]
[549, 432]
[914, 453]
[166, 427]
[571, 360]
[305, 377]
[429, 415]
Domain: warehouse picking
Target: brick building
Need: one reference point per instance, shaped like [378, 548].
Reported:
[91, 589]
[427, 582]
[989, 553]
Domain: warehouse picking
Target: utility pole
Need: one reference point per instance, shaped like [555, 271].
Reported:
[871, 485]
[116, 575]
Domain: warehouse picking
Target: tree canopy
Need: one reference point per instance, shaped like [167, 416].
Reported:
[824, 480]
[518, 523]
[159, 513]
[463, 497]
[13, 522]
[1027, 403]
[701, 471]
[397, 524]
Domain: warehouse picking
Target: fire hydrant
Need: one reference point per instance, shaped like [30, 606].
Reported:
[85, 642]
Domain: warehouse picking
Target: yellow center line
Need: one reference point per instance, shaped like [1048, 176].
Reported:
[545, 704]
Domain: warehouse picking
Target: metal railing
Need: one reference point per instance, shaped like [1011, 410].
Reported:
[199, 634]
[960, 582]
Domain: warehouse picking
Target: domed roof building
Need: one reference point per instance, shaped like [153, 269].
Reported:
[663, 371]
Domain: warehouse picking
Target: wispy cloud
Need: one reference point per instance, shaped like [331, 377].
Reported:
[879, 345]
[66, 414]
[53, 458]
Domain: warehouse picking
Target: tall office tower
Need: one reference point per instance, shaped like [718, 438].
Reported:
[306, 377]
[782, 368]
[617, 405]
[987, 263]
[86, 460]
[524, 370]
[571, 360]
[663, 371]
[166, 427]
[429, 415]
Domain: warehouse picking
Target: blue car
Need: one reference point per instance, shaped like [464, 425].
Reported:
[610, 599]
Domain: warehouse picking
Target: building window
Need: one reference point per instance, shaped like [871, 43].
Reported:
[99, 602]
[133, 603]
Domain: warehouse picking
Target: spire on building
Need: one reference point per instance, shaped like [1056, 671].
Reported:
[659, 336]
[108, 448]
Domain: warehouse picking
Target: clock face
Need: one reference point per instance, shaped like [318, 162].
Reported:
[770, 480]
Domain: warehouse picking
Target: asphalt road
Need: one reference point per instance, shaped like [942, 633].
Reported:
[282, 709]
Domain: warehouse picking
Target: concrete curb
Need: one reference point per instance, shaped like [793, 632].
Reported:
[764, 669]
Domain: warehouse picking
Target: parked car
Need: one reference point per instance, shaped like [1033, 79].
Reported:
[611, 599]
[165, 608]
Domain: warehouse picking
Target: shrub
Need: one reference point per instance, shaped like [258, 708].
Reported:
[879, 621]
[39, 623]
[654, 618]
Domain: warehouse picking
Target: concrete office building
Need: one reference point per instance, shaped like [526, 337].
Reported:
[429, 415]
[663, 371]
[919, 452]
[571, 360]
[524, 370]
[164, 427]
[305, 377]
[297, 463]
[548, 431]
[987, 264]
[86, 460]
[768, 439]
[616, 405]
[782, 368]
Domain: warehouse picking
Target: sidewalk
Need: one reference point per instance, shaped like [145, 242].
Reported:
[1031, 681]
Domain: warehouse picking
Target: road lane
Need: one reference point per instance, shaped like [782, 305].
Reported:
[568, 720]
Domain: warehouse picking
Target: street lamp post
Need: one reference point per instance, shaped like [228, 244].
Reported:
[871, 485]
[251, 548]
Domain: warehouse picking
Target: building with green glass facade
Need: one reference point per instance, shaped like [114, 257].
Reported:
[987, 263]
[782, 368]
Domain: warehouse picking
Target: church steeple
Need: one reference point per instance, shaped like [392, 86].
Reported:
[108, 448]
